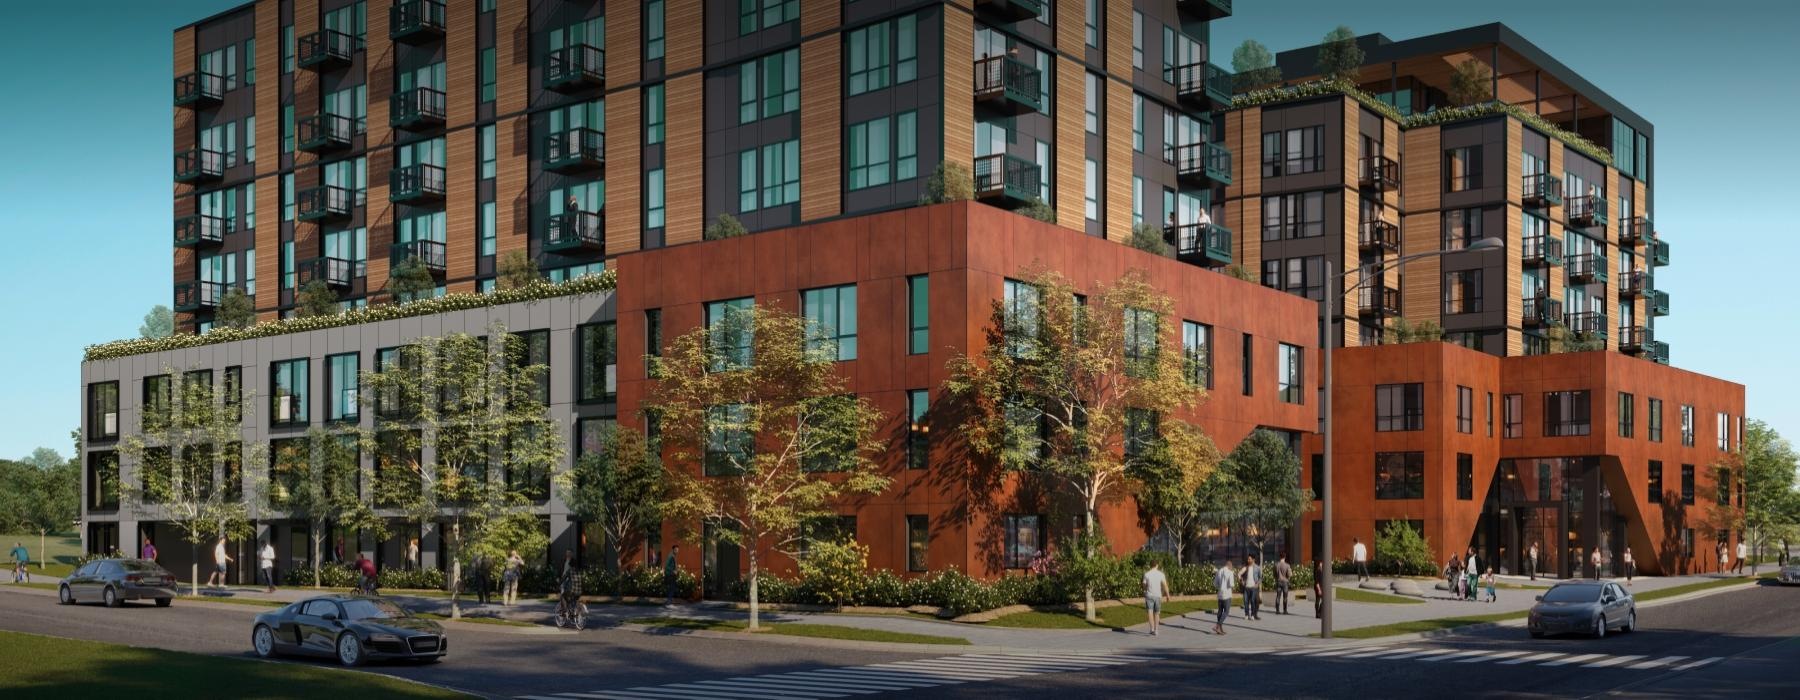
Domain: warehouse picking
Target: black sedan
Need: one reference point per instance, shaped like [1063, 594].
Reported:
[114, 581]
[1591, 607]
[351, 629]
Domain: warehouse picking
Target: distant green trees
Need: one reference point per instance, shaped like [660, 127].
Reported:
[40, 491]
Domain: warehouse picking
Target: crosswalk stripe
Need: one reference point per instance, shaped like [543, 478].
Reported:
[954, 671]
[1059, 666]
[660, 692]
[768, 694]
[1378, 652]
[1535, 657]
[929, 672]
[1698, 664]
[1614, 661]
[1083, 660]
[839, 682]
[784, 688]
[1333, 652]
[1416, 655]
[1491, 657]
[606, 695]
[1292, 652]
[872, 680]
[1653, 663]
[1454, 655]
[1574, 659]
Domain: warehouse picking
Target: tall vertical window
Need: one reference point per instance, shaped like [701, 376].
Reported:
[1399, 407]
[1292, 385]
[1093, 190]
[1399, 475]
[1566, 413]
[1196, 353]
[1627, 414]
[1137, 122]
[598, 371]
[1247, 362]
[1462, 292]
[287, 198]
[1465, 410]
[653, 199]
[1722, 486]
[831, 321]
[747, 178]
[652, 339]
[288, 391]
[1655, 482]
[1137, 40]
[653, 30]
[287, 264]
[1462, 169]
[918, 435]
[869, 55]
[485, 230]
[906, 48]
[918, 314]
[1093, 103]
[1490, 414]
[287, 49]
[1092, 22]
[1141, 330]
[728, 439]
[486, 68]
[103, 410]
[653, 114]
[729, 333]
[533, 350]
[906, 145]
[1724, 432]
[1024, 534]
[1462, 227]
[1465, 477]
[918, 542]
[1514, 415]
[1019, 313]
[1687, 425]
[1140, 432]
[341, 385]
[287, 129]
[781, 173]
[1655, 420]
[1687, 484]
[869, 155]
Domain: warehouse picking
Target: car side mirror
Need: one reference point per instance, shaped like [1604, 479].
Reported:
[1540, 599]
[329, 617]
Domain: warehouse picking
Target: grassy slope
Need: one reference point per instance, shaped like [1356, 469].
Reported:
[802, 630]
[58, 557]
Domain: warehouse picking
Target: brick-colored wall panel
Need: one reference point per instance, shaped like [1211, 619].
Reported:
[1071, 141]
[684, 38]
[684, 159]
[959, 88]
[624, 169]
[624, 23]
[821, 167]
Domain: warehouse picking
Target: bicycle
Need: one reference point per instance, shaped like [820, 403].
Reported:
[571, 613]
[367, 587]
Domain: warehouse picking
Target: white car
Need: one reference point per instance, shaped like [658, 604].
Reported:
[1790, 575]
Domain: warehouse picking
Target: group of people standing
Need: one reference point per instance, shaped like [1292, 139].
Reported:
[1465, 577]
[1248, 579]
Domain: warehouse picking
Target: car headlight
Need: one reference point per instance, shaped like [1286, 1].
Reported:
[379, 637]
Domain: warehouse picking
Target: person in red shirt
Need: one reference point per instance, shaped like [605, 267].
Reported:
[367, 567]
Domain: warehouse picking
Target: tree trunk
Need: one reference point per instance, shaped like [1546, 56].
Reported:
[455, 570]
[1088, 590]
[754, 617]
[317, 538]
[194, 556]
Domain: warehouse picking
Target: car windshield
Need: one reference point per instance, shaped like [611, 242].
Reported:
[1573, 594]
[372, 610]
[141, 566]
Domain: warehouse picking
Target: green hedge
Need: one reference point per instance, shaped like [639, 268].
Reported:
[589, 284]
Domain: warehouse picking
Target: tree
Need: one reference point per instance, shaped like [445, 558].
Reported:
[951, 182]
[1561, 339]
[726, 226]
[517, 270]
[1402, 551]
[757, 404]
[1339, 56]
[236, 310]
[1148, 238]
[474, 404]
[409, 281]
[192, 465]
[1771, 505]
[1078, 393]
[1399, 330]
[1256, 487]
[1038, 209]
[1165, 498]
[320, 485]
[835, 569]
[39, 492]
[315, 298]
[620, 487]
[159, 323]
[1471, 83]
[1253, 66]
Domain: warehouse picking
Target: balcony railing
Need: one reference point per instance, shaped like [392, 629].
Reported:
[1659, 253]
[1658, 302]
[195, 295]
[1541, 190]
[335, 272]
[318, 133]
[575, 67]
[1377, 236]
[1007, 85]
[325, 202]
[1541, 251]
[1010, 10]
[1200, 244]
[419, 182]
[1377, 301]
[416, 21]
[1586, 211]
[1659, 352]
[416, 108]
[575, 231]
[1379, 173]
[199, 89]
[574, 150]
[326, 49]
[1203, 85]
[199, 165]
[1541, 311]
[1587, 268]
[1207, 10]
[198, 230]
[1198, 163]
[1636, 230]
[1005, 180]
[1635, 339]
[1633, 284]
[1588, 322]
[430, 254]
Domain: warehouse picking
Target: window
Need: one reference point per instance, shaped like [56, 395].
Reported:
[1093, 105]
[653, 199]
[598, 371]
[773, 12]
[747, 173]
[155, 399]
[729, 331]
[1656, 423]
[1399, 407]
[1462, 292]
[287, 49]
[1724, 432]
[1137, 122]
[1722, 485]
[1293, 151]
[249, 139]
[1141, 329]
[1655, 482]
[1024, 533]
[918, 314]
[868, 62]
[1465, 410]
[1196, 353]
[1399, 475]
[869, 153]
[778, 75]
[1687, 425]
[906, 145]
[918, 434]
[918, 541]
[1292, 384]
[653, 30]
[1019, 313]
[832, 451]
[1304, 276]
[288, 389]
[1627, 414]
[533, 348]
[780, 173]
[485, 230]
[1092, 18]
[831, 321]
[1687, 484]
[1462, 228]
[1566, 413]
[102, 481]
[1140, 431]
[249, 61]
[487, 78]
[1490, 414]
[340, 392]
[349, 19]
[1293, 216]
[652, 340]
[103, 410]
[1093, 190]
[351, 245]
[1462, 169]
[653, 114]
[1318, 477]
[1465, 477]
[728, 439]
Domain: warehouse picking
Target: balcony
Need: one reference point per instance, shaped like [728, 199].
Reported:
[199, 90]
[1377, 302]
[318, 133]
[430, 254]
[196, 295]
[1586, 322]
[1635, 340]
[1541, 251]
[575, 150]
[326, 49]
[1658, 302]
[1633, 284]
[1377, 237]
[1005, 181]
[1542, 190]
[325, 203]
[1006, 85]
[1587, 268]
[1634, 231]
[416, 21]
[1541, 311]
[1203, 164]
[575, 231]
[1203, 86]
[416, 109]
[1586, 211]
[1200, 244]
[1659, 352]
[1659, 253]
[416, 184]
[199, 230]
[574, 68]
[1377, 173]
[334, 272]
[199, 165]
[1207, 10]
[1010, 10]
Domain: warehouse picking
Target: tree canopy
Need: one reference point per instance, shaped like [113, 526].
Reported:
[1253, 65]
[158, 323]
[620, 486]
[1339, 56]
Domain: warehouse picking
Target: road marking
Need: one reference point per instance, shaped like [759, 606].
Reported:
[1295, 651]
[1378, 652]
[783, 688]
[952, 670]
[1656, 662]
[686, 690]
[1574, 659]
[1614, 661]
[1417, 655]
[1698, 664]
[1334, 652]
[849, 682]
[659, 693]
[1492, 657]
[1447, 657]
[882, 677]
[1048, 666]
[1534, 657]
[835, 684]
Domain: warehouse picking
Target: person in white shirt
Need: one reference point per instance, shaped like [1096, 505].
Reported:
[265, 560]
[1156, 587]
[1359, 553]
[1473, 572]
[1223, 580]
[1743, 552]
[220, 559]
[1630, 567]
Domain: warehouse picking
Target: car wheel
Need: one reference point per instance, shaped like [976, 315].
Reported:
[349, 650]
[164, 602]
[110, 597]
[63, 595]
[1630, 622]
[262, 640]
[1600, 626]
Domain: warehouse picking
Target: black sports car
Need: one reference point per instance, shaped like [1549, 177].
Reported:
[351, 629]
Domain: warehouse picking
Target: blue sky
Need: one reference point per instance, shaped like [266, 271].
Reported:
[85, 184]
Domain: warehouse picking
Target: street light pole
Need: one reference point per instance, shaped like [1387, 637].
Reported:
[1327, 313]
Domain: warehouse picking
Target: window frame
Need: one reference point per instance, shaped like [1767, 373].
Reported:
[822, 336]
[1465, 410]
[335, 413]
[1409, 484]
[1407, 401]
[604, 336]
[918, 314]
[96, 400]
[302, 410]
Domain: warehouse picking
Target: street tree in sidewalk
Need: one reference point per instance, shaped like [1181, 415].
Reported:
[620, 487]
[475, 404]
[1771, 503]
[318, 480]
[1080, 390]
[1256, 488]
[192, 464]
[756, 402]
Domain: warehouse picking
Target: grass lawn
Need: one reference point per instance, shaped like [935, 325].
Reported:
[477, 619]
[1116, 617]
[1685, 588]
[58, 554]
[1415, 626]
[1357, 595]
[801, 630]
[67, 668]
[232, 600]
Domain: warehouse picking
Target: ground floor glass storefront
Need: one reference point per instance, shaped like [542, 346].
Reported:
[1563, 505]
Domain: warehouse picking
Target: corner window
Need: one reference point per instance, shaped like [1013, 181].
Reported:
[599, 367]
[1399, 407]
[103, 410]
[1399, 475]
[1292, 385]
[831, 321]
[288, 392]
[1566, 413]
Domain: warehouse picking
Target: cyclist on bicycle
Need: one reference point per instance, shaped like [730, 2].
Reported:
[366, 567]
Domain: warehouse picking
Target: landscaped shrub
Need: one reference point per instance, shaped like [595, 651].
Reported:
[422, 578]
[1402, 551]
[834, 571]
[332, 575]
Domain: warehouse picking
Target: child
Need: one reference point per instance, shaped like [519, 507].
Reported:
[1490, 585]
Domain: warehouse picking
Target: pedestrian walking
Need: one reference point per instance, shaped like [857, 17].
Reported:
[265, 562]
[478, 570]
[1594, 562]
[514, 564]
[1360, 555]
[1222, 580]
[1283, 576]
[1252, 588]
[1491, 594]
[1743, 552]
[1531, 560]
[21, 563]
[337, 551]
[1630, 566]
[1471, 572]
[1156, 587]
[1453, 575]
[1318, 591]
[412, 554]
[146, 550]
[220, 559]
[669, 575]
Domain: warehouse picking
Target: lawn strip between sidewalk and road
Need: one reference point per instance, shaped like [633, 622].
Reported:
[1686, 588]
[1356, 595]
[1112, 617]
[1416, 626]
[857, 634]
[476, 619]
